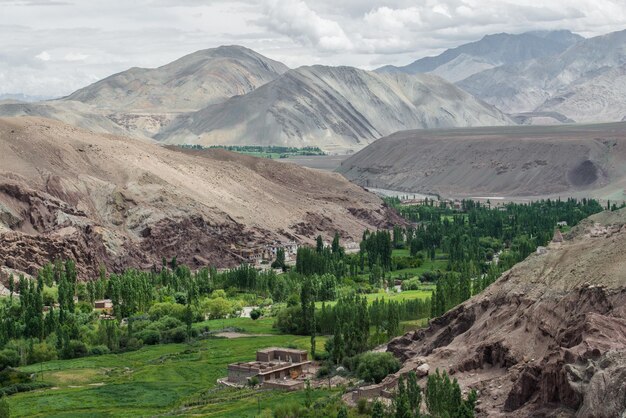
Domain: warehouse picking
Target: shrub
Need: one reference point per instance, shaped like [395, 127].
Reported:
[150, 336]
[9, 358]
[323, 371]
[175, 335]
[99, 350]
[253, 381]
[74, 349]
[42, 352]
[165, 323]
[5, 411]
[373, 367]
[166, 309]
[411, 284]
[255, 314]
[180, 298]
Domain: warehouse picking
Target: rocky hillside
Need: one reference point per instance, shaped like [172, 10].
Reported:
[547, 339]
[189, 83]
[491, 51]
[66, 192]
[576, 82]
[509, 162]
[335, 108]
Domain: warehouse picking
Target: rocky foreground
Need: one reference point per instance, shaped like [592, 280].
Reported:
[67, 192]
[547, 339]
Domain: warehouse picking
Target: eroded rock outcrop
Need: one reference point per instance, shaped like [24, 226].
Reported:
[547, 339]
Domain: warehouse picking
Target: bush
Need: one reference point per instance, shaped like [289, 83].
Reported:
[99, 350]
[253, 381]
[74, 349]
[289, 320]
[161, 310]
[373, 367]
[165, 323]
[42, 352]
[150, 336]
[9, 358]
[131, 344]
[175, 335]
[323, 371]
[22, 387]
[411, 284]
[255, 314]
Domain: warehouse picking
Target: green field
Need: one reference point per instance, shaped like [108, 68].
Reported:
[424, 293]
[246, 325]
[159, 379]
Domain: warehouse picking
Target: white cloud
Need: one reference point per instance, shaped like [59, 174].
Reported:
[297, 20]
[54, 50]
[44, 56]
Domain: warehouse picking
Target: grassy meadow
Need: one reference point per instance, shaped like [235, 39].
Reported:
[176, 379]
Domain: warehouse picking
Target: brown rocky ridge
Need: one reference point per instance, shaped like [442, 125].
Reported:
[111, 200]
[547, 339]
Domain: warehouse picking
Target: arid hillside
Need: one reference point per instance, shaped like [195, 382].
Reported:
[123, 202]
[518, 161]
[547, 339]
[335, 108]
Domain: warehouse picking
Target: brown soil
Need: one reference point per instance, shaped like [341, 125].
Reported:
[514, 161]
[547, 339]
[66, 192]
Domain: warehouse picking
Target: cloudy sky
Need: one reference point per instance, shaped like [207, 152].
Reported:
[52, 47]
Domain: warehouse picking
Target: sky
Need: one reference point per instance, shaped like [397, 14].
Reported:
[49, 48]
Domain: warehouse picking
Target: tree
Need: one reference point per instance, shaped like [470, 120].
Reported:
[378, 411]
[279, 263]
[414, 393]
[401, 401]
[343, 412]
[374, 367]
[5, 410]
[319, 247]
[308, 394]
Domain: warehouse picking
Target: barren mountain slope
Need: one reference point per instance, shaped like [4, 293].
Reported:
[491, 51]
[526, 86]
[189, 83]
[335, 108]
[122, 202]
[596, 97]
[548, 338]
[510, 162]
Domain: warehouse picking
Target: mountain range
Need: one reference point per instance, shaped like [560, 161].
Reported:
[233, 95]
[335, 108]
[491, 51]
[545, 77]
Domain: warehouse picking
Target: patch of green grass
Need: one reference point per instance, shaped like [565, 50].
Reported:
[154, 380]
[406, 295]
[247, 325]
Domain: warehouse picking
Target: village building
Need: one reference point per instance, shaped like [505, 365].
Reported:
[281, 368]
[105, 305]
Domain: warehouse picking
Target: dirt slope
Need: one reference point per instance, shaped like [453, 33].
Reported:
[548, 338]
[509, 161]
[123, 202]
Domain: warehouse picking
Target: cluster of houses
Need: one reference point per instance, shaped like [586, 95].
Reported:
[267, 253]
